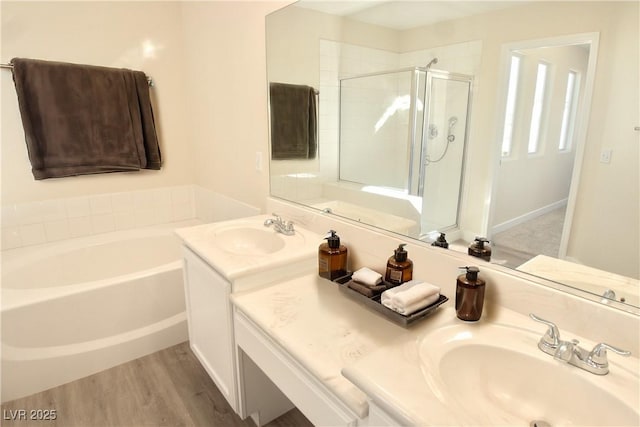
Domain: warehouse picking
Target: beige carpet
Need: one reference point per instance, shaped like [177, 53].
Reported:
[538, 236]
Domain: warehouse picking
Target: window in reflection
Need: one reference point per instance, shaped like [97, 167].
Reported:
[538, 108]
[569, 112]
[512, 93]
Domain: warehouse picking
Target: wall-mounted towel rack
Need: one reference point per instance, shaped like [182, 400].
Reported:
[10, 67]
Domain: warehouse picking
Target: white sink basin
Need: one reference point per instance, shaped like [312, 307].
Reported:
[246, 248]
[498, 368]
[244, 240]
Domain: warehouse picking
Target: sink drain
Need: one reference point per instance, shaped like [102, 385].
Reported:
[539, 423]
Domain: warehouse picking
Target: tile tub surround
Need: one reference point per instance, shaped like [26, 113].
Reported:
[370, 247]
[33, 223]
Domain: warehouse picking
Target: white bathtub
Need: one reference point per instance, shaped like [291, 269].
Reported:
[77, 307]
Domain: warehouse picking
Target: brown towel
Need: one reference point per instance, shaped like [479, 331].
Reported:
[149, 136]
[83, 119]
[368, 291]
[293, 121]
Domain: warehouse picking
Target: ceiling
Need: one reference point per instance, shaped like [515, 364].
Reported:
[404, 15]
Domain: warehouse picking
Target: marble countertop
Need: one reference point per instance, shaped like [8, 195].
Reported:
[360, 355]
[583, 277]
[303, 245]
[323, 329]
[402, 388]
[409, 390]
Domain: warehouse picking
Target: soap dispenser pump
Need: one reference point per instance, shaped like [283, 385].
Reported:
[399, 266]
[480, 248]
[332, 257]
[441, 242]
[469, 295]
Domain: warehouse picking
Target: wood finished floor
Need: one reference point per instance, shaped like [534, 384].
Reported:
[168, 388]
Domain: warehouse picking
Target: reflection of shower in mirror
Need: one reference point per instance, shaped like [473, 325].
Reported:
[452, 123]
[450, 138]
[433, 131]
[410, 124]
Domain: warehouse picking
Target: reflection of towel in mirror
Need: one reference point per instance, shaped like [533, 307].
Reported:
[83, 119]
[293, 121]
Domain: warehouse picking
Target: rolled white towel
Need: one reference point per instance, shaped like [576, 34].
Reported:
[410, 309]
[387, 296]
[415, 298]
[408, 297]
[367, 276]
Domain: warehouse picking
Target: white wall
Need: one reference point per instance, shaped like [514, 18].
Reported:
[209, 94]
[606, 229]
[98, 33]
[224, 67]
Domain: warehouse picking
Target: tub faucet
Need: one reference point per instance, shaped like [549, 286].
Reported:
[594, 361]
[280, 226]
[608, 295]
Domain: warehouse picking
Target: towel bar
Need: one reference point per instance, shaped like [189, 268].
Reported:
[10, 67]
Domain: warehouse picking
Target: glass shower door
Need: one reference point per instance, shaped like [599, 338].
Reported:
[443, 149]
[377, 128]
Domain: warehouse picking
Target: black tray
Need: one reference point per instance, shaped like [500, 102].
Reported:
[375, 304]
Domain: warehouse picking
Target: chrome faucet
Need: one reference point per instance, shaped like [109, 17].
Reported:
[594, 361]
[280, 226]
[608, 295]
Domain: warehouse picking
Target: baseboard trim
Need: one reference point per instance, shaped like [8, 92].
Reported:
[498, 228]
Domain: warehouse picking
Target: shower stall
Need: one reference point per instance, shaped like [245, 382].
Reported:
[405, 131]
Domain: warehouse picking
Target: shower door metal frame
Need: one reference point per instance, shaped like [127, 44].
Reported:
[413, 114]
[445, 75]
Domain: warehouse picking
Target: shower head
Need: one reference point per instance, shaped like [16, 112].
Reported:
[433, 61]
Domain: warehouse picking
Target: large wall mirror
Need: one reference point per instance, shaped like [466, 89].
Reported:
[516, 121]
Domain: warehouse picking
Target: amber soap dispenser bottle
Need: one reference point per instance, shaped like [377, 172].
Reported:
[399, 266]
[332, 257]
[469, 295]
[480, 248]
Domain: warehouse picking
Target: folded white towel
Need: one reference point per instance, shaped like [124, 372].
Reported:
[387, 296]
[410, 297]
[367, 276]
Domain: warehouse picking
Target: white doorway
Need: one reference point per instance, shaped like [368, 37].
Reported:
[543, 105]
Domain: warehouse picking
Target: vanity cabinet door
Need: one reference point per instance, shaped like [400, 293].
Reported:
[210, 323]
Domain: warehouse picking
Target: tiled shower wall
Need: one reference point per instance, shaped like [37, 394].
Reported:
[340, 60]
[60, 219]
[305, 183]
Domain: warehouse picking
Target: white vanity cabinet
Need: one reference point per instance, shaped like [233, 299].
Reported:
[211, 323]
[378, 417]
[226, 257]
